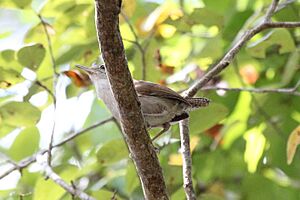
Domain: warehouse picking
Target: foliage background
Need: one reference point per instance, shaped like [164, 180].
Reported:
[238, 142]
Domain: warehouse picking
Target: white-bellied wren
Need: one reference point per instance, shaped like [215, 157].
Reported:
[159, 104]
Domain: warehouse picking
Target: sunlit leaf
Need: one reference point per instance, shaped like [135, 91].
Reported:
[31, 56]
[28, 138]
[175, 159]
[9, 77]
[255, 145]
[292, 144]
[19, 114]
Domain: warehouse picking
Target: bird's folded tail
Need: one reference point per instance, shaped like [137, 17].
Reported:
[197, 102]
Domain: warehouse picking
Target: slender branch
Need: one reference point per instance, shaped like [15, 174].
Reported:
[55, 76]
[31, 159]
[131, 118]
[187, 160]
[49, 173]
[271, 10]
[227, 59]
[49, 44]
[220, 66]
[74, 135]
[47, 89]
[136, 42]
[290, 91]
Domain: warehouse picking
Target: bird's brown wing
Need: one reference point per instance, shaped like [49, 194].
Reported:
[151, 89]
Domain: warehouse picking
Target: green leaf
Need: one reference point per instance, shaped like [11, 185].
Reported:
[22, 3]
[255, 144]
[291, 67]
[26, 143]
[31, 56]
[205, 118]
[5, 129]
[8, 55]
[280, 37]
[111, 152]
[206, 17]
[19, 114]
[9, 77]
[131, 179]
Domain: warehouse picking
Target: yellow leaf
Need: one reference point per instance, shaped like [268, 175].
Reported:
[160, 14]
[166, 30]
[193, 143]
[292, 144]
[255, 144]
[175, 159]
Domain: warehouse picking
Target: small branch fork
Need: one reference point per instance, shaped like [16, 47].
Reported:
[31, 159]
[220, 66]
[49, 173]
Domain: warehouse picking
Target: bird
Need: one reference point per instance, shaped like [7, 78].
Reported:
[160, 105]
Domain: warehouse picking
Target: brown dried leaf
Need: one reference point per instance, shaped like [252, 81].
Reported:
[292, 144]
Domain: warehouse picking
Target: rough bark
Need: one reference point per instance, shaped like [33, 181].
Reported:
[132, 121]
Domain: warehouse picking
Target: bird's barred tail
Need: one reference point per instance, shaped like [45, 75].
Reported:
[197, 102]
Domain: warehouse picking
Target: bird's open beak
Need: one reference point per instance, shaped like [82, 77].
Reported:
[86, 69]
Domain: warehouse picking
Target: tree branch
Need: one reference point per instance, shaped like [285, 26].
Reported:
[215, 70]
[132, 121]
[186, 160]
[227, 59]
[31, 159]
[290, 91]
[49, 173]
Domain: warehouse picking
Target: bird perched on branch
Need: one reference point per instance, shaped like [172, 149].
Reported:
[160, 105]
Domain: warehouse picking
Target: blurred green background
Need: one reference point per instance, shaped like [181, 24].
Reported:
[238, 142]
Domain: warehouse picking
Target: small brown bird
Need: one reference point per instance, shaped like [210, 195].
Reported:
[160, 105]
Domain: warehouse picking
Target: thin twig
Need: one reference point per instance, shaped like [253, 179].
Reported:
[47, 89]
[136, 42]
[49, 173]
[220, 66]
[227, 59]
[271, 10]
[31, 159]
[186, 160]
[49, 44]
[290, 91]
[55, 76]
[71, 137]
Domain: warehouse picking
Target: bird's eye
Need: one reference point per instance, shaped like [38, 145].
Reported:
[102, 67]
